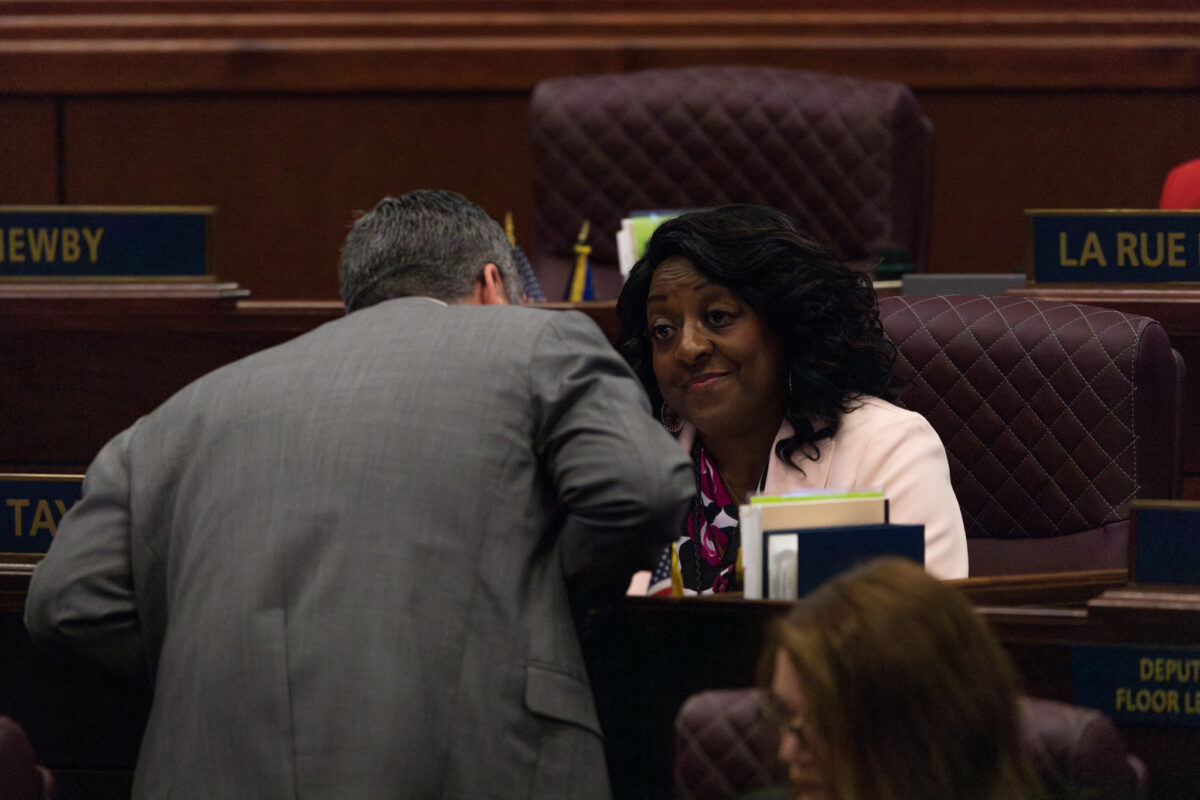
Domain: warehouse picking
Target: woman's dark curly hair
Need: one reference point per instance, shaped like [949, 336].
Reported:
[823, 313]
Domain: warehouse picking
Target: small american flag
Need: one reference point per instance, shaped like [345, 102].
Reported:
[529, 281]
[666, 580]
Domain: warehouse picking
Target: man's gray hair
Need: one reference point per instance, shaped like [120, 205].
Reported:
[431, 243]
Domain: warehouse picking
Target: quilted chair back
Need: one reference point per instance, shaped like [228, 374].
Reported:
[724, 750]
[848, 158]
[1054, 416]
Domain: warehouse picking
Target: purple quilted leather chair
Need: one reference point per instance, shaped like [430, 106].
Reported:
[724, 750]
[848, 158]
[1054, 416]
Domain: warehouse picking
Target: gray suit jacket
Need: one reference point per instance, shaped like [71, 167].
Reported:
[345, 561]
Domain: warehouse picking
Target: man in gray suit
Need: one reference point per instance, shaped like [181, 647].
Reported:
[346, 562]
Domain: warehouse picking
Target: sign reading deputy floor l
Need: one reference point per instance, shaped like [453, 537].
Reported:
[1102, 246]
[31, 506]
[103, 242]
[1138, 685]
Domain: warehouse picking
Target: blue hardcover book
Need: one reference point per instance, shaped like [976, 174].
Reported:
[797, 561]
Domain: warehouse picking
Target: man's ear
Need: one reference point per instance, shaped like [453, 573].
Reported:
[489, 287]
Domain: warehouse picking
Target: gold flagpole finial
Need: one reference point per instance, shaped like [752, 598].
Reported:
[676, 575]
[509, 231]
[579, 275]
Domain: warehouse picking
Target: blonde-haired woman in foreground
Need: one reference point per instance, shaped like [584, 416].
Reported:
[886, 685]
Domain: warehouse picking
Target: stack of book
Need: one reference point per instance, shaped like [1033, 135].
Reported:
[633, 234]
[791, 543]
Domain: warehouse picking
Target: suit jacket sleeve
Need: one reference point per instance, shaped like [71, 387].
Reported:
[82, 592]
[621, 477]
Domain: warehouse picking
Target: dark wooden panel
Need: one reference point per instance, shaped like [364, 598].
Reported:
[287, 116]
[286, 173]
[170, 47]
[28, 163]
[105, 7]
[76, 371]
[645, 655]
[81, 362]
[997, 154]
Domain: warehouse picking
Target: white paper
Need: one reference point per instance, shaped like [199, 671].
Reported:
[750, 521]
[625, 255]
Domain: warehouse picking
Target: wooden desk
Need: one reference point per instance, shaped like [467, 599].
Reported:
[648, 655]
[645, 657]
[81, 362]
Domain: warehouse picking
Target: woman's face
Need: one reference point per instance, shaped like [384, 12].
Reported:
[717, 362]
[788, 706]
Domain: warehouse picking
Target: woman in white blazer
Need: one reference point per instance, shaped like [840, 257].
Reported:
[765, 355]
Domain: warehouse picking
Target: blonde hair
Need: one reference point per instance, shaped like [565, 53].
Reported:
[909, 695]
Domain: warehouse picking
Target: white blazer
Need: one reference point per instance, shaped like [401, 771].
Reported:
[881, 444]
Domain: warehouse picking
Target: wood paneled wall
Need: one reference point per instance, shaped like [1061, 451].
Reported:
[289, 116]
